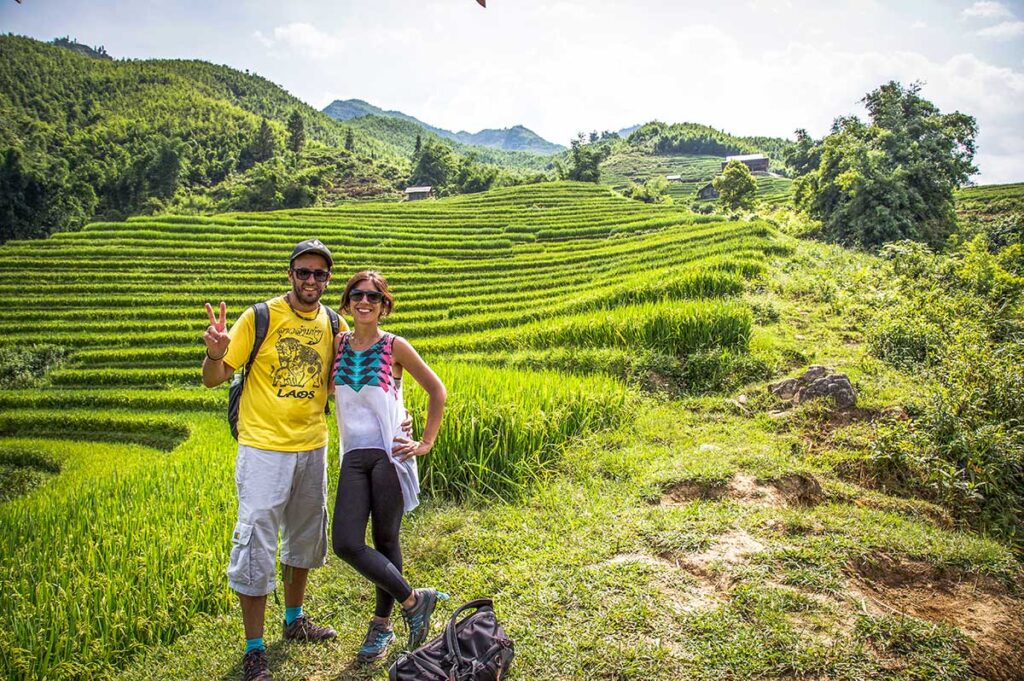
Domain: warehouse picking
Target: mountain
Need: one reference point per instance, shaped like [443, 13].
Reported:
[84, 137]
[516, 138]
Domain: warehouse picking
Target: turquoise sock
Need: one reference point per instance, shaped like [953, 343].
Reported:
[292, 614]
[254, 643]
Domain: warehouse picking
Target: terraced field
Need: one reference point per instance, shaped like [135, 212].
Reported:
[532, 303]
[694, 171]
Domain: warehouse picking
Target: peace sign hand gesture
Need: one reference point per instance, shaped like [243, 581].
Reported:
[216, 336]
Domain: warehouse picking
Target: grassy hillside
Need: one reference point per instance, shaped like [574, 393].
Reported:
[625, 167]
[86, 138]
[611, 469]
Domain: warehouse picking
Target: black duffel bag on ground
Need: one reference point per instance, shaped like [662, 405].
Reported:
[473, 649]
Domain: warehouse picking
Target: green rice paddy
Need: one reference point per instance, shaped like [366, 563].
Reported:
[121, 536]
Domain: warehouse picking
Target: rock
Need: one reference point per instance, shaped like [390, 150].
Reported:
[785, 389]
[818, 381]
[837, 386]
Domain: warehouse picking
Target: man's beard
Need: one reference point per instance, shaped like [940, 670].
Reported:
[304, 297]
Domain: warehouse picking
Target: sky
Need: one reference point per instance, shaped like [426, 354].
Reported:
[750, 67]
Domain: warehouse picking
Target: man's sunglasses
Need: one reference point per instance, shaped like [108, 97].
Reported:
[302, 274]
[357, 294]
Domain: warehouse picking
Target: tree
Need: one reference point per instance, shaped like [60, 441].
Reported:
[736, 186]
[261, 149]
[296, 132]
[585, 161]
[893, 178]
[419, 146]
[804, 156]
[349, 140]
[164, 170]
[474, 177]
[435, 166]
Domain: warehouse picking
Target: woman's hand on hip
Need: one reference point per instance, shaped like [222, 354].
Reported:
[406, 449]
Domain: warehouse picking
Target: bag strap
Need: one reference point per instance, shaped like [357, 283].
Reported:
[261, 321]
[335, 321]
[450, 638]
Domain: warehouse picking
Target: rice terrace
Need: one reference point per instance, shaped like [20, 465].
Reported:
[771, 431]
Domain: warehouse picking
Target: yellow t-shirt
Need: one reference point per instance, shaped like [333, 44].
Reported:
[282, 405]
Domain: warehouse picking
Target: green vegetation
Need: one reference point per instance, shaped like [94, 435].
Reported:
[85, 138]
[892, 179]
[603, 514]
[700, 140]
[959, 317]
[481, 276]
[735, 186]
[625, 169]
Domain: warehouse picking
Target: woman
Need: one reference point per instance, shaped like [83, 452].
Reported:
[379, 479]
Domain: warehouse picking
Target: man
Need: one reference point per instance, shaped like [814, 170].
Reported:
[281, 467]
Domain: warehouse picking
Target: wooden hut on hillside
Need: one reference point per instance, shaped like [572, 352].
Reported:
[757, 163]
[708, 191]
[417, 193]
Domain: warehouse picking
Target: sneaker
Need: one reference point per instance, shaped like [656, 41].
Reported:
[303, 629]
[255, 666]
[375, 645]
[418, 616]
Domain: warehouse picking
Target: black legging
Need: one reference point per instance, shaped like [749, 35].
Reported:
[368, 487]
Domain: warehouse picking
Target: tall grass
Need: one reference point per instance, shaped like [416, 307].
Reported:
[502, 428]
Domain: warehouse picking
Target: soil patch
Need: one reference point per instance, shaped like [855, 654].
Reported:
[795, 489]
[685, 593]
[731, 549]
[690, 490]
[980, 606]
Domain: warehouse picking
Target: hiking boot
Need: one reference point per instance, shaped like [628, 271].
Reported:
[418, 616]
[303, 629]
[375, 645]
[255, 666]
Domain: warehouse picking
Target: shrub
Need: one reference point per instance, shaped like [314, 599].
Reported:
[25, 368]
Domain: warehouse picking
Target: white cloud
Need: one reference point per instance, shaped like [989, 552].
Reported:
[303, 39]
[986, 10]
[919, 25]
[262, 39]
[1006, 30]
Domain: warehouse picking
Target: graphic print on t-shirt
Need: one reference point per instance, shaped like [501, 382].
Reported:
[299, 364]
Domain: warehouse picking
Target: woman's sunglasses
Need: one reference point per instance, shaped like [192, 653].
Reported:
[356, 294]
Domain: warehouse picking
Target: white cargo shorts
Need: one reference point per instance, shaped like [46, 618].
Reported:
[284, 491]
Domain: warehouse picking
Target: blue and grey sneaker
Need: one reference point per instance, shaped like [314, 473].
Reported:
[418, 616]
[375, 645]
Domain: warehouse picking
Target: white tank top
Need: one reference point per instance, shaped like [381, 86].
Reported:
[369, 407]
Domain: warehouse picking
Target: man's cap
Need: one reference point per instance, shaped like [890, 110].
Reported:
[312, 246]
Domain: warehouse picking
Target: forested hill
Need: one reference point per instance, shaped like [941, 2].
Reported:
[83, 138]
[696, 139]
[516, 138]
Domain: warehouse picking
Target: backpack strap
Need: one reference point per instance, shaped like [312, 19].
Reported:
[450, 636]
[335, 321]
[335, 327]
[261, 321]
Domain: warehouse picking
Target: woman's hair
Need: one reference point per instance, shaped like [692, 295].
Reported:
[387, 304]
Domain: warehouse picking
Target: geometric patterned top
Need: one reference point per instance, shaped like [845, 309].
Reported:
[360, 368]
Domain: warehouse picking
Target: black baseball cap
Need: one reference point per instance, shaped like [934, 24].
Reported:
[312, 246]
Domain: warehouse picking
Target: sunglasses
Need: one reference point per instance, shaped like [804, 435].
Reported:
[357, 294]
[302, 274]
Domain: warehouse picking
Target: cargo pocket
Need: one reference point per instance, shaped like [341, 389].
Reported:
[240, 566]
